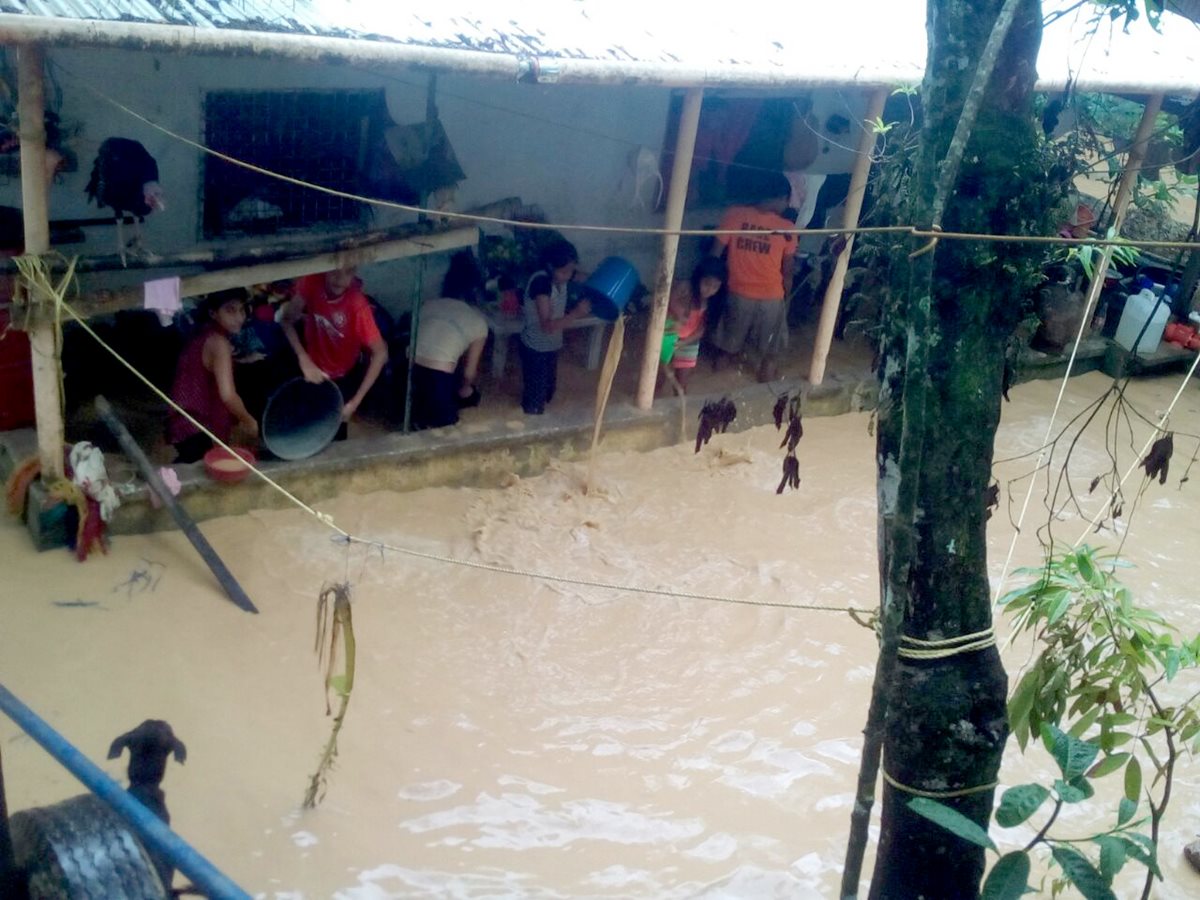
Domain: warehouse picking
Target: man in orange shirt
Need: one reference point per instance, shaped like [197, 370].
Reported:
[338, 326]
[760, 273]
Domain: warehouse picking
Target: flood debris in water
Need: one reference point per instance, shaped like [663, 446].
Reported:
[142, 579]
[333, 622]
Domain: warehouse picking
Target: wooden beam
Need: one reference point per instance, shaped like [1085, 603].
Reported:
[100, 303]
[43, 338]
[185, 522]
[685, 146]
[854, 199]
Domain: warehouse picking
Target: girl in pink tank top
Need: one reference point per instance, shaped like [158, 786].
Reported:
[204, 380]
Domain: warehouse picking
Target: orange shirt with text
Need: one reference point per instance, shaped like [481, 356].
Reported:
[756, 260]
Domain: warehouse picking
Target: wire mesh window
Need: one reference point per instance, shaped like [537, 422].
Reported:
[316, 136]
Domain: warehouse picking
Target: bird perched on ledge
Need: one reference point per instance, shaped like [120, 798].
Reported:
[125, 179]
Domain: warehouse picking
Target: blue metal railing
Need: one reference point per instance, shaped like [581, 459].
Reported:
[150, 830]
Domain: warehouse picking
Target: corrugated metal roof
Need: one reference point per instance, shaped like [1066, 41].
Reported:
[863, 41]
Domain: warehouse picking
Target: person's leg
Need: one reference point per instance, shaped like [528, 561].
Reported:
[730, 335]
[769, 336]
[550, 364]
[435, 404]
[533, 382]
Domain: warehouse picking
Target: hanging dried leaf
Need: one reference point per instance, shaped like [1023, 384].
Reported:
[1094, 484]
[779, 410]
[794, 433]
[1158, 460]
[791, 473]
[715, 417]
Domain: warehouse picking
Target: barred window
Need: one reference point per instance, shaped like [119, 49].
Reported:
[318, 136]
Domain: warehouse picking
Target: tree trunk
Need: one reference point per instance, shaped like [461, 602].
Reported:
[942, 368]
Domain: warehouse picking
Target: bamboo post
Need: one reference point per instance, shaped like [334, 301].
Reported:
[685, 145]
[43, 336]
[1133, 164]
[854, 200]
[185, 522]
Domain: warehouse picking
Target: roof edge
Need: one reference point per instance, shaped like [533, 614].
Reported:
[52, 31]
[16, 29]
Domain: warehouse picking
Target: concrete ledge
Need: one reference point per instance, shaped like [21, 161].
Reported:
[1035, 365]
[1119, 362]
[482, 454]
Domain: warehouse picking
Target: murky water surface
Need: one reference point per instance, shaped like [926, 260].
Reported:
[510, 737]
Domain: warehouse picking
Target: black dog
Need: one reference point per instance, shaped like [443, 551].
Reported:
[149, 746]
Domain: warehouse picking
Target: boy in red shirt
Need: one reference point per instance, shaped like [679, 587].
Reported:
[338, 327]
[760, 274]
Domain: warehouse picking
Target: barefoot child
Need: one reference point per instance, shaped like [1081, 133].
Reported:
[686, 313]
[204, 380]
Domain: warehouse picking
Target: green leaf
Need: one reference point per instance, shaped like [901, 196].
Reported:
[1112, 855]
[1133, 779]
[1019, 803]
[1009, 878]
[1143, 850]
[1109, 764]
[1074, 757]
[1083, 559]
[1172, 666]
[952, 820]
[1081, 873]
[1021, 704]
[1079, 729]
[1075, 791]
[1125, 810]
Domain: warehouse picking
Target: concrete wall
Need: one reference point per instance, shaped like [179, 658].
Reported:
[564, 148]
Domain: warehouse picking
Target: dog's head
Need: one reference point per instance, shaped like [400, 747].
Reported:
[149, 746]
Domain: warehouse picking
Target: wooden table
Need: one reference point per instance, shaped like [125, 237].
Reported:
[503, 326]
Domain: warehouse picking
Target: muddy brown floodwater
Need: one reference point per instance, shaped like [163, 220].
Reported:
[509, 737]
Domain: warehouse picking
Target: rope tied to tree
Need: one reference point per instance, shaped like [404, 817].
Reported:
[937, 795]
[916, 648]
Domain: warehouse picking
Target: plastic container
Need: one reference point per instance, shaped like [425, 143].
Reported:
[301, 419]
[1142, 308]
[220, 464]
[611, 286]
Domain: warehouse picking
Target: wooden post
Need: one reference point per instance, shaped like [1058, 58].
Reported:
[47, 363]
[685, 145]
[854, 200]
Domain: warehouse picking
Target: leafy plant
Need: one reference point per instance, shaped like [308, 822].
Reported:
[1122, 254]
[1100, 671]
[1091, 875]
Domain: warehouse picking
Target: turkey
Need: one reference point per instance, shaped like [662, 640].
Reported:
[125, 179]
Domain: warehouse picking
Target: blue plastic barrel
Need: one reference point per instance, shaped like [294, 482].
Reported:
[301, 418]
[611, 286]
